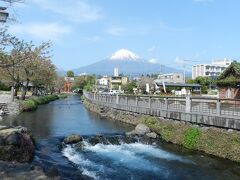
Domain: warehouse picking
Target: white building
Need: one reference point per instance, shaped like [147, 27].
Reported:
[210, 70]
[103, 81]
[116, 72]
[172, 77]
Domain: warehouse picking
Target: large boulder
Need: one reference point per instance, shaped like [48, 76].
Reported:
[140, 130]
[72, 139]
[16, 144]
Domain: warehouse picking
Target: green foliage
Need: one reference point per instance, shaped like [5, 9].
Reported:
[32, 103]
[191, 137]
[4, 87]
[70, 74]
[229, 81]
[28, 105]
[84, 82]
[44, 99]
[128, 88]
[203, 81]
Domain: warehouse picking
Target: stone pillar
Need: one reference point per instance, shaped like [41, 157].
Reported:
[166, 104]
[218, 106]
[136, 101]
[126, 99]
[149, 102]
[12, 93]
[117, 99]
[188, 104]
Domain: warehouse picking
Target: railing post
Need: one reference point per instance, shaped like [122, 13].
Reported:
[117, 99]
[188, 104]
[149, 102]
[218, 107]
[166, 104]
[136, 101]
[94, 96]
[126, 99]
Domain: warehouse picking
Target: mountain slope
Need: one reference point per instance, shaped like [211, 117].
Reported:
[133, 68]
[128, 64]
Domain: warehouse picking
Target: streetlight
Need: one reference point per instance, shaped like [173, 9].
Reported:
[3, 14]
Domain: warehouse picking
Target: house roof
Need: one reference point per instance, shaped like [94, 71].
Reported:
[230, 76]
[233, 69]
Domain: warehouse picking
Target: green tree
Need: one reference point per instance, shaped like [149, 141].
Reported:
[205, 82]
[128, 88]
[84, 82]
[70, 74]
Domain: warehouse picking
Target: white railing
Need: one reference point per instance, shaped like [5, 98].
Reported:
[147, 104]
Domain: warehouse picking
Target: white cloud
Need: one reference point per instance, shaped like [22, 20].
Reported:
[151, 49]
[116, 31]
[76, 11]
[154, 61]
[42, 31]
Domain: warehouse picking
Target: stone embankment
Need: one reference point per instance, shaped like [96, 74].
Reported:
[30, 104]
[13, 107]
[215, 141]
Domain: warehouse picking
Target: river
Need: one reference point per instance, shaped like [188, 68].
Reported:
[123, 159]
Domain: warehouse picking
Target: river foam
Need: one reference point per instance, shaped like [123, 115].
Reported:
[99, 160]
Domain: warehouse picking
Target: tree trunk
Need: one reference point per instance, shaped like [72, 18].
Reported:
[24, 91]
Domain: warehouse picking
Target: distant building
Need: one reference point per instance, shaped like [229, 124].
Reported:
[103, 81]
[103, 84]
[116, 82]
[172, 78]
[116, 72]
[83, 74]
[210, 70]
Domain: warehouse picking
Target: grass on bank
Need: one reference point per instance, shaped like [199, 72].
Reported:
[32, 103]
[215, 141]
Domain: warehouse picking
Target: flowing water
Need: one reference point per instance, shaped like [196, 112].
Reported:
[110, 155]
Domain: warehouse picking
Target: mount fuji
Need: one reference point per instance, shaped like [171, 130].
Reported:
[127, 62]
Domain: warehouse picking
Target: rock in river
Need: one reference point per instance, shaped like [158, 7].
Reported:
[152, 135]
[16, 144]
[140, 130]
[72, 139]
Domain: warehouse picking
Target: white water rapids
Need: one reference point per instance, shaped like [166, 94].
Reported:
[99, 159]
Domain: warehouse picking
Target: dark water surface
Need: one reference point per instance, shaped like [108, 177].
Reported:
[122, 160]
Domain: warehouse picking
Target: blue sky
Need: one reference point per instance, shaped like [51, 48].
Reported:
[86, 31]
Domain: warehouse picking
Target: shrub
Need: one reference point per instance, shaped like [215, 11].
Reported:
[191, 137]
[28, 105]
[32, 103]
[44, 99]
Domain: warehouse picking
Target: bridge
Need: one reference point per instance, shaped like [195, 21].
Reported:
[224, 113]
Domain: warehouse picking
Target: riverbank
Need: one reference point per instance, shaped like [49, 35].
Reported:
[32, 103]
[214, 141]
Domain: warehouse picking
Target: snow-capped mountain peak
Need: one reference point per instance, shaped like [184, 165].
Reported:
[124, 54]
